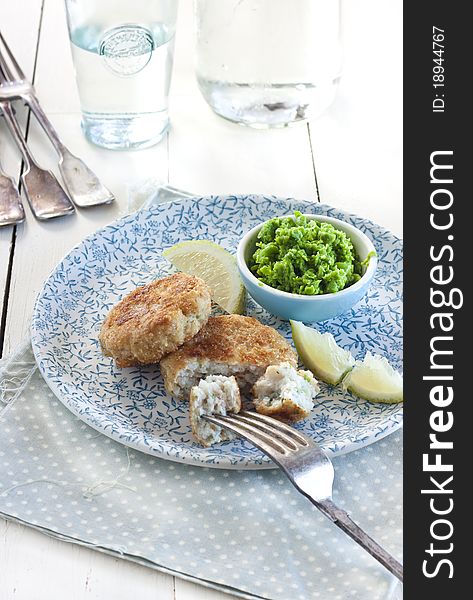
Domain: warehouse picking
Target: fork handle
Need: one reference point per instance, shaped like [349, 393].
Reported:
[343, 521]
[45, 123]
[16, 133]
[83, 185]
[46, 197]
[11, 207]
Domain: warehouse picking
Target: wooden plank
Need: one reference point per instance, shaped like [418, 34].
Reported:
[34, 565]
[233, 159]
[21, 35]
[55, 82]
[357, 143]
[209, 155]
[186, 590]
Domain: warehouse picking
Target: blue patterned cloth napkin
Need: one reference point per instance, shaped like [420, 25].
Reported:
[248, 532]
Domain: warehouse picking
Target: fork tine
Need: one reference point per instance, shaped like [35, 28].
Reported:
[261, 440]
[279, 425]
[269, 429]
[11, 68]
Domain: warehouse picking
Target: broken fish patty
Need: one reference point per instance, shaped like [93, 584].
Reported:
[214, 395]
[155, 319]
[285, 393]
[226, 345]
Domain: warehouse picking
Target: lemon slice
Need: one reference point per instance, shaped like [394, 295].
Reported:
[216, 266]
[375, 380]
[321, 354]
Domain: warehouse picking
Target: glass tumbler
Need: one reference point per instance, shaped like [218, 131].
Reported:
[268, 63]
[122, 52]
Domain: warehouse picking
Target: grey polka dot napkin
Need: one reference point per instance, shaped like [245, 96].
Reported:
[248, 532]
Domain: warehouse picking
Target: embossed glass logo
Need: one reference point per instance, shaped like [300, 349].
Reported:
[127, 49]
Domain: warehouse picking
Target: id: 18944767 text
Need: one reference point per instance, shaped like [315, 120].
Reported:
[438, 69]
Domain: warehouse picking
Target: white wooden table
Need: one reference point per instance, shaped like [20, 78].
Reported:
[350, 158]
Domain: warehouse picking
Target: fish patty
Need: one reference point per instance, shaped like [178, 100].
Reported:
[226, 345]
[285, 393]
[155, 319]
[214, 395]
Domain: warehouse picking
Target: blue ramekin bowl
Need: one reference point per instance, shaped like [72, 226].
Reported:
[297, 306]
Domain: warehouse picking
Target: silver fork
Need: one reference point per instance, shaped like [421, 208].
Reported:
[46, 197]
[11, 207]
[308, 468]
[82, 184]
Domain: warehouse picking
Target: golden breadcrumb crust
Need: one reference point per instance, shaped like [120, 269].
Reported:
[230, 340]
[155, 319]
[287, 411]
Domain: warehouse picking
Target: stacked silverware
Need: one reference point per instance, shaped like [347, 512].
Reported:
[46, 196]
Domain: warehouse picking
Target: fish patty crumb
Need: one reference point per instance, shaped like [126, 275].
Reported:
[285, 393]
[214, 395]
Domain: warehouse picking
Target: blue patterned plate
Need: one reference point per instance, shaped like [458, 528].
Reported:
[130, 405]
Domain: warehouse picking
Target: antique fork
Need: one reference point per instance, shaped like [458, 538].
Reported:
[82, 184]
[308, 468]
[11, 207]
[46, 197]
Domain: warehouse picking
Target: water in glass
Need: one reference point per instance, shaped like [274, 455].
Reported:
[123, 56]
[268, 63]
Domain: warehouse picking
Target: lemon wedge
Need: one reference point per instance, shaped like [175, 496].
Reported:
[321, 354]
[216, 266]
[374, 379]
